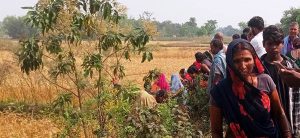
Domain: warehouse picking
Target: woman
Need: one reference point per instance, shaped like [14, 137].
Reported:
[176, 84]
[247, 98]
[204, 62]
[146, 100]
[160, 83]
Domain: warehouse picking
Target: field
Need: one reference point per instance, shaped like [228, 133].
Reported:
[15, 86]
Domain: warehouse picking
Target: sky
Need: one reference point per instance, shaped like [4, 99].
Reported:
[226, 12]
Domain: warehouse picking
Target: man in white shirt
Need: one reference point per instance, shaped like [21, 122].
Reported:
[256, 25]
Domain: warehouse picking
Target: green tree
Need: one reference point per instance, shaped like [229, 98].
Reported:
[15, 27]
[242, 25]
[168, 29]
[192, 22]
[201, 31]
[189, 28]
[2, 31]
[291, 15]
[229, 30]
[63, 25]
[210, 26]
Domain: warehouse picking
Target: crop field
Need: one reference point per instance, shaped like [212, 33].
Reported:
[169, 57]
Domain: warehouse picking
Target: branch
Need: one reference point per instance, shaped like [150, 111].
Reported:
[108, 73]
[57, 84]
[48, 57]
[113, 54]
[71, 79]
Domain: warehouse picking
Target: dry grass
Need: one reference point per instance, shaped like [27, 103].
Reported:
[168, 59]
[15, 85]
[19, 126]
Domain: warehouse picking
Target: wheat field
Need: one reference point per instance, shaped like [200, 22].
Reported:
[169, 57]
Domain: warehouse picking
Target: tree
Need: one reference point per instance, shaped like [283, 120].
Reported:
[63, 25]
[291, 15]
[210, 26]
[201, 31]
[15, 27]
[229, 30]
[242, 25]
[168, 29]
[192, 22]
[2, 31]
[189, 28]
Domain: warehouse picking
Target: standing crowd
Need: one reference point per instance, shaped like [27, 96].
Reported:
[254, 84]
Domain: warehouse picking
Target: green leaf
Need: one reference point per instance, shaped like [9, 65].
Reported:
[107, 10]
[30, 55]
[144, 57]
[91, 62]
[127, 55]
[150, 57]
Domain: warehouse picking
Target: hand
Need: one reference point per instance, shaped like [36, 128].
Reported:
[291, 77]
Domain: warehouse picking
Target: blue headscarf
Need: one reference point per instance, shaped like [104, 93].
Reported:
[175, 83]
[245, 108]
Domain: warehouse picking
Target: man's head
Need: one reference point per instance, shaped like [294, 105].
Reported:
[245, 33]
[216, 45]
[293, 29]
[256, 25]
[246, 30]
[273, 40]
[236, 36]
[219, 35]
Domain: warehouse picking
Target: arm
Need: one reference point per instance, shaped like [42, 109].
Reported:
[217, 78]
[290, 77]
[178, 92]
[204, 68]
[216, 121]
[279, 114]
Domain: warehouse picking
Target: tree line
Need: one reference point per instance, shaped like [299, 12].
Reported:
[16, 28]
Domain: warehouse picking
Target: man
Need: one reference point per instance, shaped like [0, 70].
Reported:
[220, 36]
[274, 62]
[256, 25]
[235, 36]
[245, 33]
[288, 40]
[218, 67]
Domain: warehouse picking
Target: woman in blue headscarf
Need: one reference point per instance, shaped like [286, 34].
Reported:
[247, 98]
[176, 83]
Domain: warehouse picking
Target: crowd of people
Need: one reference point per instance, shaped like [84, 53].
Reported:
[253, 83]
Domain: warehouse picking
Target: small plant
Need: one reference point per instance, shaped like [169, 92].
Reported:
[71, 118]
[63, 26]
[198, 101]
[145, 123]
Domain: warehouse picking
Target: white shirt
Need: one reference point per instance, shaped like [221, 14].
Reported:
[257, 43]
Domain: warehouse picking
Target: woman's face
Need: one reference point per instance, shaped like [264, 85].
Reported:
[243, 61]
